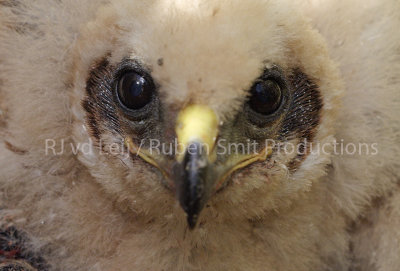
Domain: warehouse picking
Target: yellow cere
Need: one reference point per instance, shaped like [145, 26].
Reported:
[196, 123]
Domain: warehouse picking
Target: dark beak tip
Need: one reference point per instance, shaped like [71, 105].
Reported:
[192, 221]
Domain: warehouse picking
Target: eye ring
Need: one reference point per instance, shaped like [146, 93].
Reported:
[134, 90]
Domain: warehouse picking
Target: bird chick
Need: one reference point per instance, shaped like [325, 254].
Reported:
[200, 135]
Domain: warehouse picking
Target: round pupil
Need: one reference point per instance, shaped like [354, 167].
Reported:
[134, 91]
[266, 97]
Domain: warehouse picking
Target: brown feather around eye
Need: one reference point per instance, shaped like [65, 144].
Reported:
[98, 104]
[304, 111]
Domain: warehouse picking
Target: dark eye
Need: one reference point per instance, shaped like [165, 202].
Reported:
[266, 97]
[134, 90]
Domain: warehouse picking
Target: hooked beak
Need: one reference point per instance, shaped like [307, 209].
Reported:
[193, 183]
[196, 173]
[196, 129]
